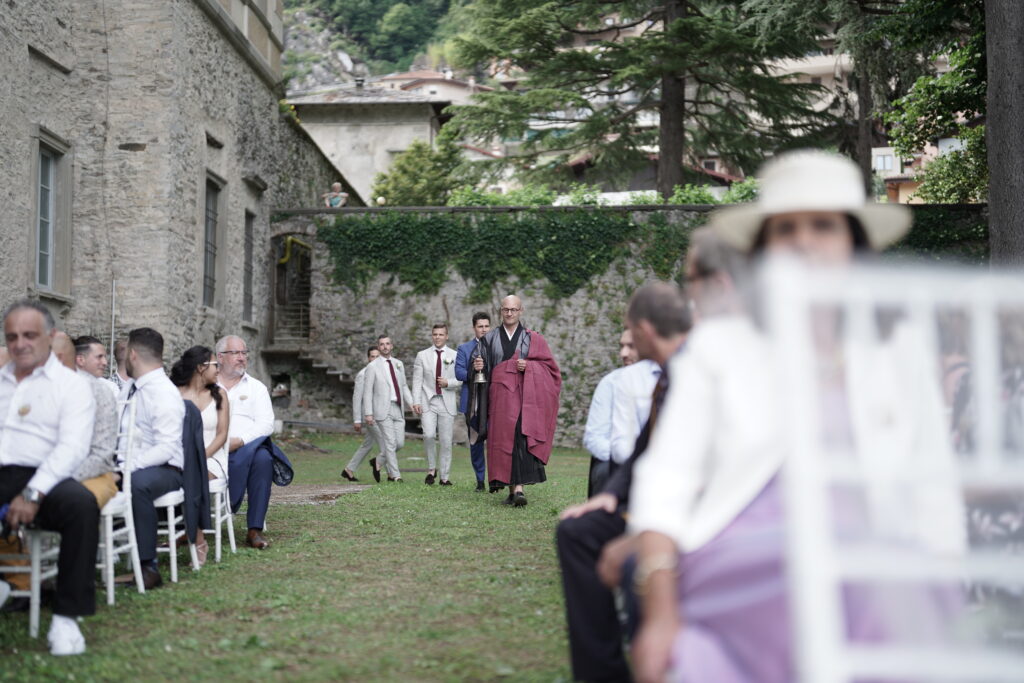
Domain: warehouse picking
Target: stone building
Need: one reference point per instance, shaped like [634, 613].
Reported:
[146, 151]
[362, 128]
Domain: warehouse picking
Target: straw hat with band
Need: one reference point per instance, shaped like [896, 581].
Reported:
[811, 180]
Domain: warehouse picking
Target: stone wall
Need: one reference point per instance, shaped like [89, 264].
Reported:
[152, 99]
[583, 329]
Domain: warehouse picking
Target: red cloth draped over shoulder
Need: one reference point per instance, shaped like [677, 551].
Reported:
[534, 393]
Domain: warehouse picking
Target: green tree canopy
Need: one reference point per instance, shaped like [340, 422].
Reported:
[683, 77]
[422, 175]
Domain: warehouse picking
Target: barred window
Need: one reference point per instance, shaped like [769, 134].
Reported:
[250, 221]
[210, 242]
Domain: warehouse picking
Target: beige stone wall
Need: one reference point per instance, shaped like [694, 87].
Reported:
[362, 140]
[151, 98]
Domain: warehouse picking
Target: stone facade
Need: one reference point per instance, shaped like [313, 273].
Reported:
[362, 129]
[144, 105]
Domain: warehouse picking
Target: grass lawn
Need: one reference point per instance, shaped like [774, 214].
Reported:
[398, 582]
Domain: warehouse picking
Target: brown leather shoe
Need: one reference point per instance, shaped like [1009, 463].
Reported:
[256, 539]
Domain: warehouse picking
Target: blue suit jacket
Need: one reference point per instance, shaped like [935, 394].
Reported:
[463, 371]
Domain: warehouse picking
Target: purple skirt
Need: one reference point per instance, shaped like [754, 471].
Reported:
[734, 605]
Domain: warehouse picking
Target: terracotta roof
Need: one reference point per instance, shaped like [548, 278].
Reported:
[484, 152]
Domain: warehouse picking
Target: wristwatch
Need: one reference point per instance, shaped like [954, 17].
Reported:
[32, 495]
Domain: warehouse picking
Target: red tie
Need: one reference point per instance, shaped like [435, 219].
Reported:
[394, 381]
[437, 372]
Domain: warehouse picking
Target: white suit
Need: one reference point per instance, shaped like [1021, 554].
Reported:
[373, 435]
[386, 403]
[439, 409]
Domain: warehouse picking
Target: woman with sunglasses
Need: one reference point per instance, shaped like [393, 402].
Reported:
[195, 375]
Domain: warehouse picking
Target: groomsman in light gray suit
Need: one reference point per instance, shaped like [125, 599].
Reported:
[385, 397]
[373, 437]
[435, 393]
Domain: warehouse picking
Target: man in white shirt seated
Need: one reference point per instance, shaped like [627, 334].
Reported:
[250, 465]
[157, 456]
[47, 420]
[597, 433]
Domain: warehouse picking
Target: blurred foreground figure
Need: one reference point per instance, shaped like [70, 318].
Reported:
[707, 497]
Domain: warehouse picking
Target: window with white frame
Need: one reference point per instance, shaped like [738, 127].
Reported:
[883, 162]
[51, 214]
[45, 217]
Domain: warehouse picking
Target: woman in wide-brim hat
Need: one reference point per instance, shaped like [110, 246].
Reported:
[706, 500]
[814, 203]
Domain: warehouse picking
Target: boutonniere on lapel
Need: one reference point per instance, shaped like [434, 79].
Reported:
[24, 410]
[447, 361]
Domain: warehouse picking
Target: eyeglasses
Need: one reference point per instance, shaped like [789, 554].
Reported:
[510, 310]
[211, 363]
[234, 353]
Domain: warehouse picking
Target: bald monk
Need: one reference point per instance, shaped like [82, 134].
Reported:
[518, 417]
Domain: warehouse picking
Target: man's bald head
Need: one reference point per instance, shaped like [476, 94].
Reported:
[511, 310]
[64, 349]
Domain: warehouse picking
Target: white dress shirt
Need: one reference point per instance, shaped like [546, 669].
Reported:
[159, 419]
[631, 406]
[720, 437]
[252, 414]
[598, 430]
[47, 422]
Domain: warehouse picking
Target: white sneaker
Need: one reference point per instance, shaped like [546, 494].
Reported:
[64, 637]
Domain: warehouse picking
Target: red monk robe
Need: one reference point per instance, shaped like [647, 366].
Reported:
[534, 394]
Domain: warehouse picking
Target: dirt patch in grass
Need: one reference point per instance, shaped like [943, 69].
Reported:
[312, 494]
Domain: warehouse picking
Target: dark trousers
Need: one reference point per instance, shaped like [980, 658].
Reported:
[600, 470]
[255, 467]
[70, 510]
[476, 454]
[148, 484]
[595, 636]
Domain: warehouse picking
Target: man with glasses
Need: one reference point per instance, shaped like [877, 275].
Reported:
[251, 459]
[522, 402]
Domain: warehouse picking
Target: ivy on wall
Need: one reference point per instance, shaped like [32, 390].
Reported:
[566, 249]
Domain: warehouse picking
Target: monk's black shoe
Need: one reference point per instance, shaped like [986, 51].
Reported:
[508, 501]
[519, 500]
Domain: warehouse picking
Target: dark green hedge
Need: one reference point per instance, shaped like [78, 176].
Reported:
[566, 248]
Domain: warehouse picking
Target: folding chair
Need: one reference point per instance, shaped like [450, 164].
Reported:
[221, 516]
[119, 539]
[170, 528]
[821, 563]
[41, 549]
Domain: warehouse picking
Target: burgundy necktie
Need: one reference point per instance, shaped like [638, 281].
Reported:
[394, 381]
[437, 372]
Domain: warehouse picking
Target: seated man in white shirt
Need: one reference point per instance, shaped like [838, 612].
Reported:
[597, 433]
[250, 469]
[47, 420]
[157, 456]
